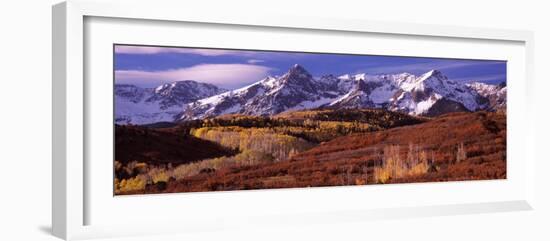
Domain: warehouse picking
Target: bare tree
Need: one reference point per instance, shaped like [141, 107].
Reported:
[460, 153]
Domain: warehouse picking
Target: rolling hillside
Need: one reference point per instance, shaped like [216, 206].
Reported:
[452, 147]
[163, 145]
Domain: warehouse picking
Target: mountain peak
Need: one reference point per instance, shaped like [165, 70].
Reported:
[296, 75]
[433, 76]
[176, 85]
[435, 73]
[297, 69]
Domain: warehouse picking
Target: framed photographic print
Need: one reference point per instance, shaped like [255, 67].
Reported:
[202, 122]
[196, 120]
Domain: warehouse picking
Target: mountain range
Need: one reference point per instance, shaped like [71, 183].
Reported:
[429, 94]
[138, 105]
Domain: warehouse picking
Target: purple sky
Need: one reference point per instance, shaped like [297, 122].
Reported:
[151, 66]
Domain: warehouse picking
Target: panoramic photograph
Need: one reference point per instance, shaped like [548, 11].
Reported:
[200, 120]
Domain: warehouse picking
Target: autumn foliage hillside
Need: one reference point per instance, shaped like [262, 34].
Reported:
[453, 147]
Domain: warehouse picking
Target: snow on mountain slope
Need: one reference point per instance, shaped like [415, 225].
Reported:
[229, 102]
[369, 91]
[297, 90]
[417, 97]
[431, 93]
[143, 112]
[182, 92]
[495, 94]
[135, 105]
[294, 90]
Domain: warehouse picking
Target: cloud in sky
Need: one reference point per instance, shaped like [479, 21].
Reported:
[223, 75]
[126, 49]
[254, 61]
[148, 66]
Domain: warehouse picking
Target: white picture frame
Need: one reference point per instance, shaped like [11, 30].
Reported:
[70, 217]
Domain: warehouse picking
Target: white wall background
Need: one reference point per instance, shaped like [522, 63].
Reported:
[25, 119]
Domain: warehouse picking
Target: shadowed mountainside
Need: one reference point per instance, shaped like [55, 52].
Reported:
[168, 145]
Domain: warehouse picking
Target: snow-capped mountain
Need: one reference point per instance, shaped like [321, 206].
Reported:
[296, 89]
[495, 94]
[370, 91]
[182, 92]
[138, 105]
[419, 96]
[429, 94]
